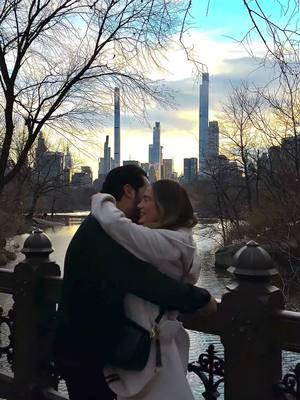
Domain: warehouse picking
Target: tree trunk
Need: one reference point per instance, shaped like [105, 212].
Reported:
[35, 198]
[9, 131]
[54, 198]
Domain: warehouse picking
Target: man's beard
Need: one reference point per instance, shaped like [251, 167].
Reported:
[135, 211]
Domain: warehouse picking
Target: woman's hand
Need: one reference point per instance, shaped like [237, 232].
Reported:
[210, 308]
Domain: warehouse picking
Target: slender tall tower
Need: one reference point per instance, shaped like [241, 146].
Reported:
[156, 149]
[203, 121]
[107, 159]
[156, 143]
[117, 154]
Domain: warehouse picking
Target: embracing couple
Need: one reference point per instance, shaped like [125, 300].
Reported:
[132, 259]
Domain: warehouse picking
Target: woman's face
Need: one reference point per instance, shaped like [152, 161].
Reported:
[148, 210]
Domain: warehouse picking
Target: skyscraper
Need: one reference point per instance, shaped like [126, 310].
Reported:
[155, 151]
[190, 169]
[167, 168]
[89, 173]
[52, 167]
[213, 140]
[48, 164]
[107, 157]
[152, 174]
[117, 155]
[83, 178]
[68, 164]
[150, 154]
[203, 120]
[68, 159]
[105, 161]
[132, 162]
[101, 168]
[40, 151]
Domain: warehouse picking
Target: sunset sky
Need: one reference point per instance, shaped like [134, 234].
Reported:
[214, 36]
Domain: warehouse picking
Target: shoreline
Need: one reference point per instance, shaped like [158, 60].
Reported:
[41, 222]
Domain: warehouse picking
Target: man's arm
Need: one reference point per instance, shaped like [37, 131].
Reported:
[149, 245]
[145, 281]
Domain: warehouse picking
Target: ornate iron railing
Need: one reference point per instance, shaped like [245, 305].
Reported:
[210, 369]
[251, 322]
[6, 348]
[290, 384]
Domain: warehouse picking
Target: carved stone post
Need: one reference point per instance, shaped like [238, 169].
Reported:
[252, 357]
[33, 316]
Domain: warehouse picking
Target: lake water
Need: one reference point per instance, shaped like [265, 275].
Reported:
[207, 240]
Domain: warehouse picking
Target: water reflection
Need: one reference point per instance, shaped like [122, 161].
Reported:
[60, 238]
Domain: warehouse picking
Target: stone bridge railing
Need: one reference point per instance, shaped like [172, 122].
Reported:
[251, 321]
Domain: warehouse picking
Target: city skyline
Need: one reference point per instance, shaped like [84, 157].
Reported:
[217, 48]
[180, 126]
[228, 63]
[57, 166]
[208, 141]
[211, 138]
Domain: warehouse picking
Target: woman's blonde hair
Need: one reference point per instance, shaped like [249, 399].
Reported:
[173, 204]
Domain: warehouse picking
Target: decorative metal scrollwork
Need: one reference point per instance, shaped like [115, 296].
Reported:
[7, 348]
[207, 367]
[290, 384]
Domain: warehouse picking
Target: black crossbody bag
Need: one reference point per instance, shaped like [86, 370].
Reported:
[133, 349]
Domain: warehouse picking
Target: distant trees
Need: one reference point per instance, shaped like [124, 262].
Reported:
[269, 152]
[239, 134]
[260, 133]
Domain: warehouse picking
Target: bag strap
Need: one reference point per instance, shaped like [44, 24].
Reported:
[158, 360]
[159, 316]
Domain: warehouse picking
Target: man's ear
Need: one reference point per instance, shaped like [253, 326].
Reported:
[128, 190]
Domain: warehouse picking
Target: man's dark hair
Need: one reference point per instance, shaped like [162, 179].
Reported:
[118, 177]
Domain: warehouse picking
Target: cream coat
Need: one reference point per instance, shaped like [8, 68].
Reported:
[173, 253]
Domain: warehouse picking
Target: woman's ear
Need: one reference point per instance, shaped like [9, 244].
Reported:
[129, 192]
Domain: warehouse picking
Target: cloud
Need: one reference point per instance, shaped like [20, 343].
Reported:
[209, 48]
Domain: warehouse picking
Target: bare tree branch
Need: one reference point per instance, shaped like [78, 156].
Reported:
[60, 60]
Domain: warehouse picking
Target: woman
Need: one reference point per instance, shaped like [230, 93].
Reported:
[164, 239]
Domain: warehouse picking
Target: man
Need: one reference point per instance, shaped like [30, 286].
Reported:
[98, 273]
